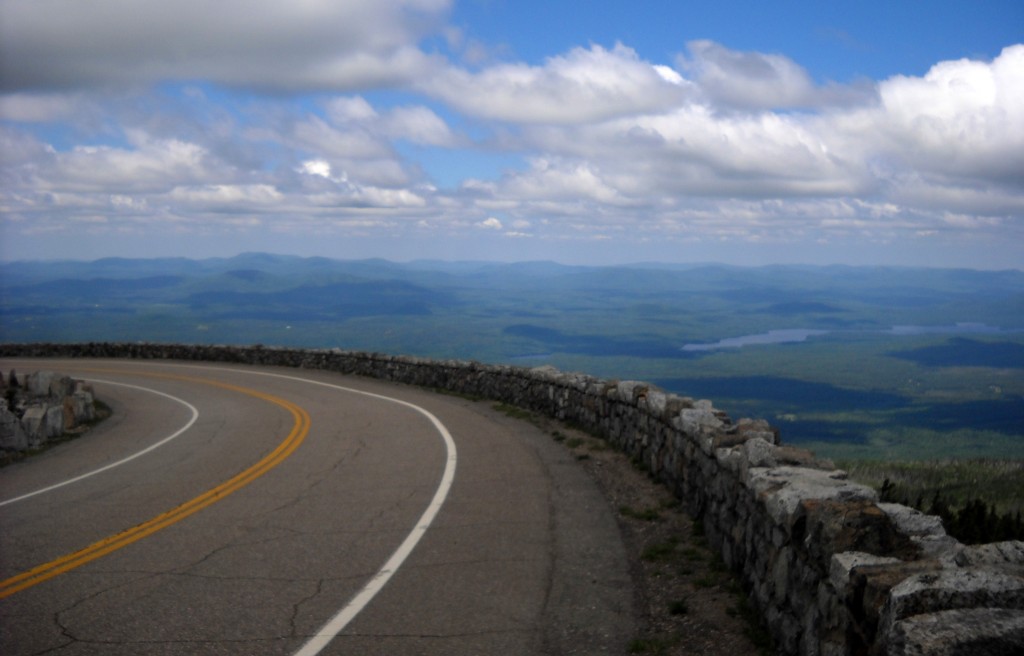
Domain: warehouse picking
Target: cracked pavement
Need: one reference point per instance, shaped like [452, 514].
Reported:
[525, 556]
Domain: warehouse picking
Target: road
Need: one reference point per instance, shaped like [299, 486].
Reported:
[242, 510]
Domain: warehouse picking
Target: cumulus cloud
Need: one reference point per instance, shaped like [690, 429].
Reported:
[963, 118]
[419, 125]
[148, 164]
[232, 197]
[583, 85]
[595, 143]
[316, 167]
[952, 140]
[259, 43]
[753, 80]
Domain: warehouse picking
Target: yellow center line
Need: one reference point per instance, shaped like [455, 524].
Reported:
[114, 542]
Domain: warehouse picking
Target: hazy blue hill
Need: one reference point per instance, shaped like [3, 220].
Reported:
[316, 303]
[802, 307]
[641, 346]
[106, 294]
[786, 394]
[882, 360]
[28, 272]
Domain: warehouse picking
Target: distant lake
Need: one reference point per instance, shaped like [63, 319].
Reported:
[957, 329]
[792, 335]
[771, 337]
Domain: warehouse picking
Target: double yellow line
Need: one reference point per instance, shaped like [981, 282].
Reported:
[107, 545]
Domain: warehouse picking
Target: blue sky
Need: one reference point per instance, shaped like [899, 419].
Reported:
[742, 132]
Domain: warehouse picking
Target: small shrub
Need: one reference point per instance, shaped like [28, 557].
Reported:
[692, 553]
[660, 551]
[653, 645]
[513, 411]
[647, 515]
[706, 581]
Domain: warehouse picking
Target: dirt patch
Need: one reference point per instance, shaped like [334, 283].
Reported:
[689, 601]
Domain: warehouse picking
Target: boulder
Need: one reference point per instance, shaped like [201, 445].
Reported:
[12, 435]
[34, 424]
[37, 383]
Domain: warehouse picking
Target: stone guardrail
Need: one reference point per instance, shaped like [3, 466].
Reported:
[39, 407]
[831, 570]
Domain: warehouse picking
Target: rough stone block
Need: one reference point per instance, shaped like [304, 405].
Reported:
[655, 403]
[843, 564]
[700, 421]
[782, 489]
[1004, 556]
[757, 428]
[926, 531]
[759, 453]
[729, 459]
[951, 589]
[964, 632]
[836, 525]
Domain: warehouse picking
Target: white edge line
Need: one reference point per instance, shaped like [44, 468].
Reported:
[330, 630]
[195, 416]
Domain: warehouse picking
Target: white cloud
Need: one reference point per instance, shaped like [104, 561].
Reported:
[963, 118]
[350, 109]
[318, 167]
[233, 197]
[147, 164]
[316, 135]
[419, 125]
[754, 80]
[594, 144]
[583, 85]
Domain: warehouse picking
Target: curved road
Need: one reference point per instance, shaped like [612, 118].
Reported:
[241, 510]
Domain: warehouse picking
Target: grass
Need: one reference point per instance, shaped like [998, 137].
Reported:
[514, 411]
[692, 554]
[659, 644]
[660, 551]
[646, 514]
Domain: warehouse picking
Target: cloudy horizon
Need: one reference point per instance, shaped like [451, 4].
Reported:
[414, 129]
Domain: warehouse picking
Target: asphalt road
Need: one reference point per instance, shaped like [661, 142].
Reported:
[275, 508]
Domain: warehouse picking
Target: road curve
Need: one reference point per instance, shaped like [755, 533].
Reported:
[354, 520]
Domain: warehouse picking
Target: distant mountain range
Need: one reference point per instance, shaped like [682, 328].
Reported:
[855, 350]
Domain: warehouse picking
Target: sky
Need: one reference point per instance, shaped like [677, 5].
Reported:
[875, 132]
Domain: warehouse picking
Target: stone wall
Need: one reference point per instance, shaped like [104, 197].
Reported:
[832, 570]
